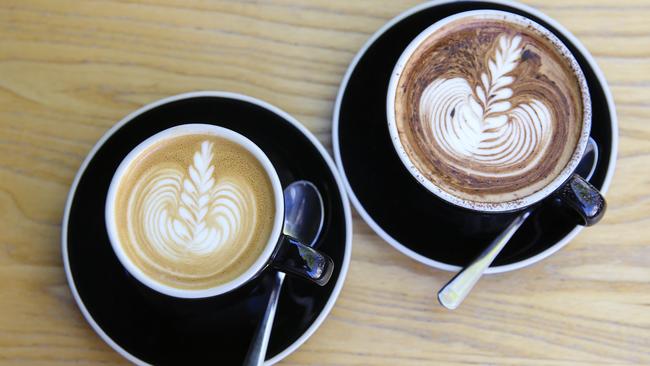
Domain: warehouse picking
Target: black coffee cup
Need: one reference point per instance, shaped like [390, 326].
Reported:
[569, 188]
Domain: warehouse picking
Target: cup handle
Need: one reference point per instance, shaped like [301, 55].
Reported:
[297, 259]
[583, 198]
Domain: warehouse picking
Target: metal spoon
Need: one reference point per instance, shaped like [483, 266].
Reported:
[303, 220]
[455, 291]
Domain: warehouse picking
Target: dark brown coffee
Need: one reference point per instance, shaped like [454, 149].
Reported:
[489, 110]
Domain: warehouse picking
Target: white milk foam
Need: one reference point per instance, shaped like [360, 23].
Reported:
[187, 212]
[483, 126]
[194, 212]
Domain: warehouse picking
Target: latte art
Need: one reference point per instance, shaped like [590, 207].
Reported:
[487, 109]
[194, 211]
[186, 214]
[479, 122]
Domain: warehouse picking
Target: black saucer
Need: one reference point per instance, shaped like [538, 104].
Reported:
[147, 327]
[406, 214]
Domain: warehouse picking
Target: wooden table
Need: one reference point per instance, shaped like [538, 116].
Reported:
[70, 69]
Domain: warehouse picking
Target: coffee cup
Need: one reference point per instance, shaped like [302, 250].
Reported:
[490, 112]
[197, 210]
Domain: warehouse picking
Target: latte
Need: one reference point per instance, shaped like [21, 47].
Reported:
[194, 211]
[489, 108]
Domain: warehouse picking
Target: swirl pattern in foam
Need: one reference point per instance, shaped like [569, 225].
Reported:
[481, 124]
[487, 109]
[198, 216]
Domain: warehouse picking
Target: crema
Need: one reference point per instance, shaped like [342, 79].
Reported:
[489, 110]
[194, 211]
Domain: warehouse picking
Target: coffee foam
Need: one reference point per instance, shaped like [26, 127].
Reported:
[194, 211]
[488, 110]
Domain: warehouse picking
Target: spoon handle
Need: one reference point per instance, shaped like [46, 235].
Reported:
[455, 291]
[257, 349]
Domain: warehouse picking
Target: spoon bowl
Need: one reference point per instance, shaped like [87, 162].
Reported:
[304, 214]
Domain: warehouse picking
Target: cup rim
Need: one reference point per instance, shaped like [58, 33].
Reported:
[366, 216]
[329, 162]
[480, 206]
[182, 130]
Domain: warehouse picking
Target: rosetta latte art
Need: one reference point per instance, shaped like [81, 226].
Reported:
[479, 122]
[190, 213]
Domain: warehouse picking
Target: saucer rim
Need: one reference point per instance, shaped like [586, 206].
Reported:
[403, 248]
[240, 97]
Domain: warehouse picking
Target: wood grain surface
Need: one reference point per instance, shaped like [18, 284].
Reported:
[70, 69]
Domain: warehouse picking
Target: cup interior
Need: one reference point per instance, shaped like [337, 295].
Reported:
[488, 207]
[182, 130]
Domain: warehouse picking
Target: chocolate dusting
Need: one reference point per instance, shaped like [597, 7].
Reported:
[462, 49]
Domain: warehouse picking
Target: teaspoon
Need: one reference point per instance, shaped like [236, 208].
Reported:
[455, 291]
[303, 220]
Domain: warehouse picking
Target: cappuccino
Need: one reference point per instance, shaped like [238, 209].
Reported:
[194, 211]
[489, 108]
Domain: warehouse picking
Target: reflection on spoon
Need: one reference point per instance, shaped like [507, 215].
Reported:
[304, 214]
[456, 290]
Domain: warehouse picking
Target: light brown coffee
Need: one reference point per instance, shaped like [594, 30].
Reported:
[194, 211]
[488, 109]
